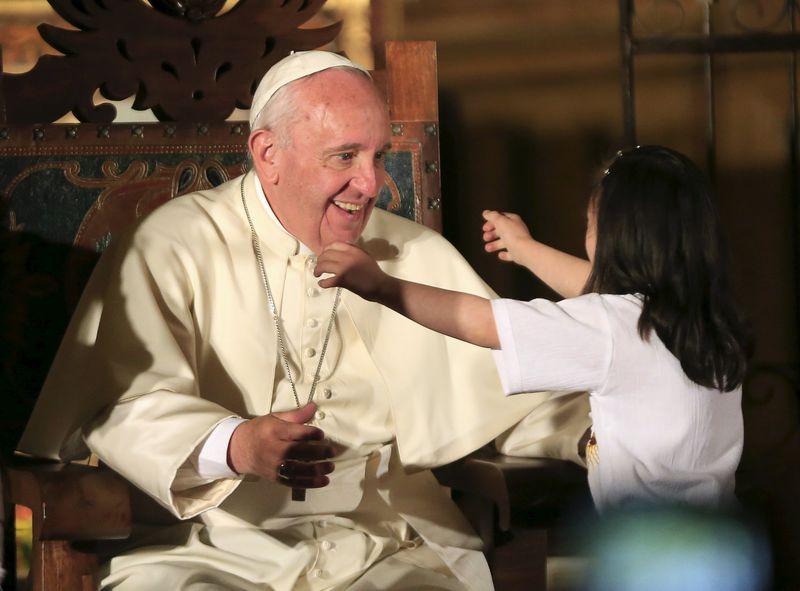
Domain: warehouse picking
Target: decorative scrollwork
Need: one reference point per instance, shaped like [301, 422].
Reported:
[763, 382]
[760, 16]
[194, 10]
[181, 68]
[660, 17]
[668, 17]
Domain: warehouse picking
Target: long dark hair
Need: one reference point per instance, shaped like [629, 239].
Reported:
[658, 236]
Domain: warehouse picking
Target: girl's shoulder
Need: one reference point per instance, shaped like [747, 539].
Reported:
[616, 308]
[591, 309]
[605, 300]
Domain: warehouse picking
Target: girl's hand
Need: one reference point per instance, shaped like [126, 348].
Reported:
[506, 234]
[352, 268]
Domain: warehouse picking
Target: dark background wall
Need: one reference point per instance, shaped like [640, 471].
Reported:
[532, 105]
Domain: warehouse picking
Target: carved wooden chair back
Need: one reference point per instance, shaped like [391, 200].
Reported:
[66, 189]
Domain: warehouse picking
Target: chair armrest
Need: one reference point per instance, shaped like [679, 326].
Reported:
[512, 483]
[70, 502]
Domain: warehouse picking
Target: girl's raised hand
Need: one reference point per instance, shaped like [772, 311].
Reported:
[506, 234]
[351, 268]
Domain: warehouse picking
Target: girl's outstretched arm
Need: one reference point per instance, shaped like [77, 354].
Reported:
[508, 236]
[453, 313]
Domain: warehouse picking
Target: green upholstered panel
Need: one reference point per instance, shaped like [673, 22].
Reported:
[82, 199]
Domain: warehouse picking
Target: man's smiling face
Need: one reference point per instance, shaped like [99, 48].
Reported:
[327, 174]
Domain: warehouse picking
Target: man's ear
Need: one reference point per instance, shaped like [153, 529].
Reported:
[263, 145]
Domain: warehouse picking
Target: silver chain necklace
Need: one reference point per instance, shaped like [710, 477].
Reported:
[276, 317]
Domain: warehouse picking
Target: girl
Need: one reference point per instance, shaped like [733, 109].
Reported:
[648, 328]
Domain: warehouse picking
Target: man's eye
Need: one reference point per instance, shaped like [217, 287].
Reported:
[379, 156]
[345, 156]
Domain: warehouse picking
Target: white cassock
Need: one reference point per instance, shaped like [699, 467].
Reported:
[174, 335]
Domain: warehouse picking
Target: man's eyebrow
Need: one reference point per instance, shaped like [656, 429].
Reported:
[354, 146]
[342, 148]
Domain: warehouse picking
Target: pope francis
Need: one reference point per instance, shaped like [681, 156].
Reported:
[287, 429]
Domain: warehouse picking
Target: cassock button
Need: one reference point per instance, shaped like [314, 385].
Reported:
[327, 393]
[310, 352]
[415, 543]
[319, 415]
[312, 323]
[312, 291]
[318, 573]
[326, 545]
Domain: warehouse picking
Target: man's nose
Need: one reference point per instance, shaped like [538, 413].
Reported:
[368, 178]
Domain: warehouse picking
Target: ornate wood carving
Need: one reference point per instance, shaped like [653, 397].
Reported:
[179, 58]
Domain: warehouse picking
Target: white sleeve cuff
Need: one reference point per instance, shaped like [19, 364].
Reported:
[212, 462]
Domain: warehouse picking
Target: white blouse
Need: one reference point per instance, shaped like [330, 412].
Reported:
[660, 437]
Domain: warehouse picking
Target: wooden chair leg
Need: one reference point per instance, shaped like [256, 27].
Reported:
[521, 564]
[517, 558]
[62, 566]
[482, 516]
[9, 558]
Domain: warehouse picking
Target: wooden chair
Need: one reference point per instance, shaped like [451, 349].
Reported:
[67, 189]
